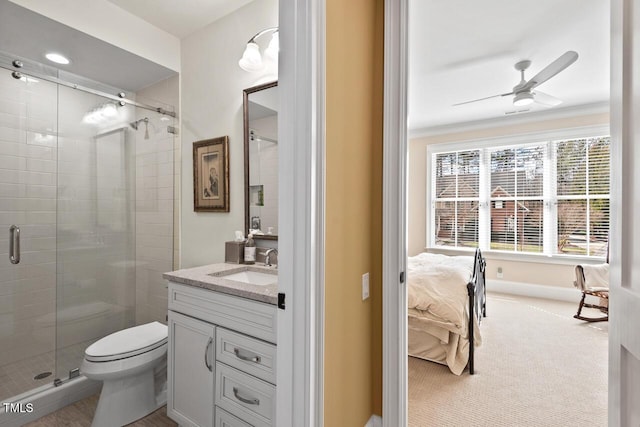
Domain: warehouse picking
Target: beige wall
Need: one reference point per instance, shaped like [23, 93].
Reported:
[211, 93]
[353, 329]
[525, 272]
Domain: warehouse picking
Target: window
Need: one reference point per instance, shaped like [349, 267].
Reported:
[456, 205]
[549, 198]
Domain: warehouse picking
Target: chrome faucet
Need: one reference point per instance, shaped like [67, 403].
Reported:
[267, 256]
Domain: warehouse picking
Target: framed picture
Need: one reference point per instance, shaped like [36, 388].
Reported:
[211, 175]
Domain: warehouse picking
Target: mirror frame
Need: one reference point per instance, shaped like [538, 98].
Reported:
[245, 117]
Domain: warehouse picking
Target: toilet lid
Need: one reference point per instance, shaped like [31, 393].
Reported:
[128, 342]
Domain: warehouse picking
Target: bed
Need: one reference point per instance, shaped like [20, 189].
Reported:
[446, 303]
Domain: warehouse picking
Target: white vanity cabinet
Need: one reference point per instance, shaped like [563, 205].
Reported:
[190, 361]
[221, 359]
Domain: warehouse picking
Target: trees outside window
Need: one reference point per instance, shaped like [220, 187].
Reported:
[550, 197]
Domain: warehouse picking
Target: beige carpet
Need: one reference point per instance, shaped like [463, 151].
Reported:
[537, 367]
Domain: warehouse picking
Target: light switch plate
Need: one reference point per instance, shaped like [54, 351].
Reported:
[365, 286]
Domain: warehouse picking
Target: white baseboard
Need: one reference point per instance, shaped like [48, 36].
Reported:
[48, 399]
[374, 421]
[533, 290]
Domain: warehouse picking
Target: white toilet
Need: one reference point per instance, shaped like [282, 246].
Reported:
[132, 364]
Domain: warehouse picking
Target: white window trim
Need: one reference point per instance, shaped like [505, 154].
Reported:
[485, 199]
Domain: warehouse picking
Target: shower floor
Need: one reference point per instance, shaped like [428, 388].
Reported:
[18, 377]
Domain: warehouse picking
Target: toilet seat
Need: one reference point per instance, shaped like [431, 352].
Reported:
[128, 343]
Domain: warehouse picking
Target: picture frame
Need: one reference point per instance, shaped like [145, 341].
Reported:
[211, 175]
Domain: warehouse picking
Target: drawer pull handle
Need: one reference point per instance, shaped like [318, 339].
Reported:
[248, 401]
[206, 355]
[254, 358]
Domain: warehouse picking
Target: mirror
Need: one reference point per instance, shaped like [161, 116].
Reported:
[261, 161]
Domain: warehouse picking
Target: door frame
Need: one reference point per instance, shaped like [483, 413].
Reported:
[394, 215]
[301, 130]
[395, 379]
[624, 297]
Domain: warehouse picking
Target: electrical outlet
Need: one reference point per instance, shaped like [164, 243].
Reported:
[499, 275]
[365, 286]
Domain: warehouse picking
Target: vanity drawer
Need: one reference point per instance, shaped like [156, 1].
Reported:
[249, 398]
[225, 419]
[255, 318]
[247, 354]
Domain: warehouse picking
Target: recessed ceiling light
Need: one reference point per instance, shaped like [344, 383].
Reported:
[57, 58]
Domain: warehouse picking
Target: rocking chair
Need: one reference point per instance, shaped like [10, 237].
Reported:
[593, 280]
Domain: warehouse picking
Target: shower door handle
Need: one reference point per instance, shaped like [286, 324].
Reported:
[14, 244]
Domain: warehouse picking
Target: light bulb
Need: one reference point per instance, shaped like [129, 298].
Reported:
[271, 51]
[251, 59]
[109, 111]
[522, 99]
[90, 118]
[57, 58]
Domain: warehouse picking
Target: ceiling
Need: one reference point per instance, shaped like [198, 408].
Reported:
[29, 35]
[462, 50]
[182, 17]
[459, 50]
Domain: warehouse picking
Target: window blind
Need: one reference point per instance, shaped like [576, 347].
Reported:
[550, 197]
[457, 183]
[583, 178]
[516, 195]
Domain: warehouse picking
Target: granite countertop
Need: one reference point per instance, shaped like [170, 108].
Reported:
[206, 277]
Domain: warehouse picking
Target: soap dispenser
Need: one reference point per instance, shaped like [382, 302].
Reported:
[250, 250]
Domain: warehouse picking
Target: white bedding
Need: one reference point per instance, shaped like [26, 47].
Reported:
[438, 304]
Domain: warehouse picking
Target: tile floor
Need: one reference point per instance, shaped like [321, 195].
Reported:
[18, 377]
[80, 414]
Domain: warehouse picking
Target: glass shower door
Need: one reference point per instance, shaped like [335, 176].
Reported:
[95, 223]
[28, 138]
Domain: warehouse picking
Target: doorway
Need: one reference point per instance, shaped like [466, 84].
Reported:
[394, 221]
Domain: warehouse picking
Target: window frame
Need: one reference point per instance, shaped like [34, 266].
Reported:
[508, 141]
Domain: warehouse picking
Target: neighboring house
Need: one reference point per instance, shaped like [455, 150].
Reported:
[457, 202]
[467, 210]
[503, 217]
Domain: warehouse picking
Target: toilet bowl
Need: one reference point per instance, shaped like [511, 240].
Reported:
[132, 364]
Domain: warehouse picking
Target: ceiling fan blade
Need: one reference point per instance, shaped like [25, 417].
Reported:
[546, 99]
[552, 69]
[482, 99]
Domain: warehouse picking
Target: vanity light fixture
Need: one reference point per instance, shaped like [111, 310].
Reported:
[57, 58]
[252, 59]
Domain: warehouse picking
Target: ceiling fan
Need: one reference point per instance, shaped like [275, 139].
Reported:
[523, 91]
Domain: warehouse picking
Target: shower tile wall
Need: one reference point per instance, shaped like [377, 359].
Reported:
[66, 188]
[95, 220]
[157, 167]
[27, 199]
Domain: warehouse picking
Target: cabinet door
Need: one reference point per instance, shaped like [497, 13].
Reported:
[191, 361]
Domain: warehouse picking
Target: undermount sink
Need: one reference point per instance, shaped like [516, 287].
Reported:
[250, 277]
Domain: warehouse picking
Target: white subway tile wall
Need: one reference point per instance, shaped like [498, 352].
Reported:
[27, 199]
[157, 169]
[95, 227]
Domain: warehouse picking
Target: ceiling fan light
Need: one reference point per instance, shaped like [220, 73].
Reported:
[523, 99]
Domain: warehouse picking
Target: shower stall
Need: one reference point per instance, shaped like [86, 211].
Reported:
[86, 219]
